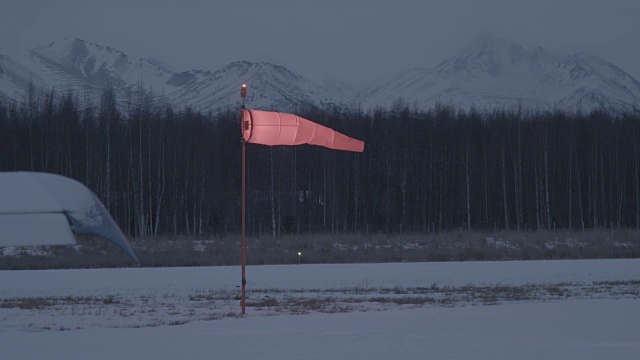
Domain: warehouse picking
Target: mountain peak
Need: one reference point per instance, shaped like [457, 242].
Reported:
[492, 72]
[246, 65]
[74, 62]
[249, 69]
[74, 50]
[584, 58]
[489, 72]
[486, 55]
[242, 67]
[64, 44]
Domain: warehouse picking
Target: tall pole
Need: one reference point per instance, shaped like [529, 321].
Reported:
[244, 241]
[243, 94]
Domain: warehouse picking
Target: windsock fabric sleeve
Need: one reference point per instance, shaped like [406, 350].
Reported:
[274, 128]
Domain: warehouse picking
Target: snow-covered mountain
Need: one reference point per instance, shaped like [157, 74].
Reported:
[15, 79]
[490, 72]
[89, 68]
[271, 87]
[493, 72]
[86, 68]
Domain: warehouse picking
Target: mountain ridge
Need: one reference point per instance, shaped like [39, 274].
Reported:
[493, 72]
[488, 72]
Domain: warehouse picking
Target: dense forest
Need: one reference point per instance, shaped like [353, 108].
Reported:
[166, 171]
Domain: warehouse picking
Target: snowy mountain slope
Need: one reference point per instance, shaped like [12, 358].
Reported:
[15, 79]
[490, 72]
[493, 72]
[270, 87]
[588, 81]
[74, 64]
[340, 88]
[100, 65]
[86, 68]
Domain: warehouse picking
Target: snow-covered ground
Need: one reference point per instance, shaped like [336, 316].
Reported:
[474, 310]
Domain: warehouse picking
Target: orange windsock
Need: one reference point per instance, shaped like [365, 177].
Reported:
[274, 128]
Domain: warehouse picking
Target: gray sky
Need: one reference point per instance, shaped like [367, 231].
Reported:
[356, 41]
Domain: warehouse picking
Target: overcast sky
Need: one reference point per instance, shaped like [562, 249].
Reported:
[356, 41]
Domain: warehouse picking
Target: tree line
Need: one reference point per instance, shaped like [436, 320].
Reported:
[166, 171]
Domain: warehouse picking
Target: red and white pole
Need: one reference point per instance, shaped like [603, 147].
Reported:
[244, 241]
[243, 94]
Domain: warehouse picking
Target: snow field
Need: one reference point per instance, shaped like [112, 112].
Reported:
[496, 310]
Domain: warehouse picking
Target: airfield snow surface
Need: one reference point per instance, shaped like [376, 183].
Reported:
[474, 310]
